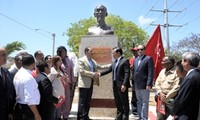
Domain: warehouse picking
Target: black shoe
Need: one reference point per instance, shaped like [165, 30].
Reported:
[134, 113]
[118, 117]
[87, 118]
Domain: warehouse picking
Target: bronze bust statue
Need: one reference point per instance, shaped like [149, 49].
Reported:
[100, 12]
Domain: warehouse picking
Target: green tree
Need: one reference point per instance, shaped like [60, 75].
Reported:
[126, 31]
[191, 43]
[16, 45]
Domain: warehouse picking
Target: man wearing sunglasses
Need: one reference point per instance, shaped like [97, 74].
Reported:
[143, 78]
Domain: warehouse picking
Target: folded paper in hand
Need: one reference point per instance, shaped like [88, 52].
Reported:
[61, 100]
[160, 106]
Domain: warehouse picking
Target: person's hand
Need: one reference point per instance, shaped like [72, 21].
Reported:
[10, 116]
[162, 96]
[131, 67]
[96, 75]
[148, 87]
[123, 88]
[67, 78]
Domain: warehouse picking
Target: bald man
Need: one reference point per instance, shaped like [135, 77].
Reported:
[7, 92]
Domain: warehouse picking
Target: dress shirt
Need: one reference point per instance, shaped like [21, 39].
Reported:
[189, 72]
[13, 67]
[118, 60]
[0, 72]
[139, 60]
[168, 83]
[115, 67]
[26, 88]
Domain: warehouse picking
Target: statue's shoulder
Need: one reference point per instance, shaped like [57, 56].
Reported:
[94, 30]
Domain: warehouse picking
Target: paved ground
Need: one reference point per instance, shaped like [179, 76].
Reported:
[152, 109]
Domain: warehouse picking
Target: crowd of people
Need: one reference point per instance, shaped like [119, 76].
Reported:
[38, 87]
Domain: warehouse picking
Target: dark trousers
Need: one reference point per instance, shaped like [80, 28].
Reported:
[23, 112]
[47, 112]
[72, 91]
[134, 102]
[122, 103]
[3, 114]
[85, 95]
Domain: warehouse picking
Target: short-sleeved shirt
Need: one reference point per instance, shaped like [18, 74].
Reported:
[26, 88]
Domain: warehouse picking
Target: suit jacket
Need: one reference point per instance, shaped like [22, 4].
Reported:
[85, 74]
[143, 74]
[7, 93]
[47, 99]
[13, 72]
[186, 104]
[122, 72]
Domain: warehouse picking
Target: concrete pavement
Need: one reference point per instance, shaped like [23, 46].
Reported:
[152, 109]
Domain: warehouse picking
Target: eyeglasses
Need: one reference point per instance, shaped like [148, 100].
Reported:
[140, 49]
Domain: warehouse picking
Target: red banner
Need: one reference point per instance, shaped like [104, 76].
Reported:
[154, 48]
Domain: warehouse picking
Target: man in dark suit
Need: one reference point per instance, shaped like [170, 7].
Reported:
[133, 99]
[46, 107]
[121, 73]
[7, 92]
[186, 104]
[17, 63]
[143, 78]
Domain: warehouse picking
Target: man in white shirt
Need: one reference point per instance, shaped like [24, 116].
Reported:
[27, 93]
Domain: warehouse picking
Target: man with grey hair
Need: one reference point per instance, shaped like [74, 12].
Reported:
[186, 104]
[100, 12]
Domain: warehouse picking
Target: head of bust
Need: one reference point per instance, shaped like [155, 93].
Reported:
[100, 9]
[100, 12]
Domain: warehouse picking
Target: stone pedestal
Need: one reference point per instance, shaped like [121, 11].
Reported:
[102, 104]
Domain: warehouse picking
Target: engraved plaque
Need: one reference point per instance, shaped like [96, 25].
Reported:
[102, 55]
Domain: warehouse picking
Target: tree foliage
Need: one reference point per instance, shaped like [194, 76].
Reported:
[16, 45]
[191, 43]
[126, 31]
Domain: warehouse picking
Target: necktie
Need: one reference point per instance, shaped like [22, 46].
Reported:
[115, 66]
[2, 74]
[91, 65]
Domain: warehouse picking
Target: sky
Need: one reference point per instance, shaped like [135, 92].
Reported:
[19, 19]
